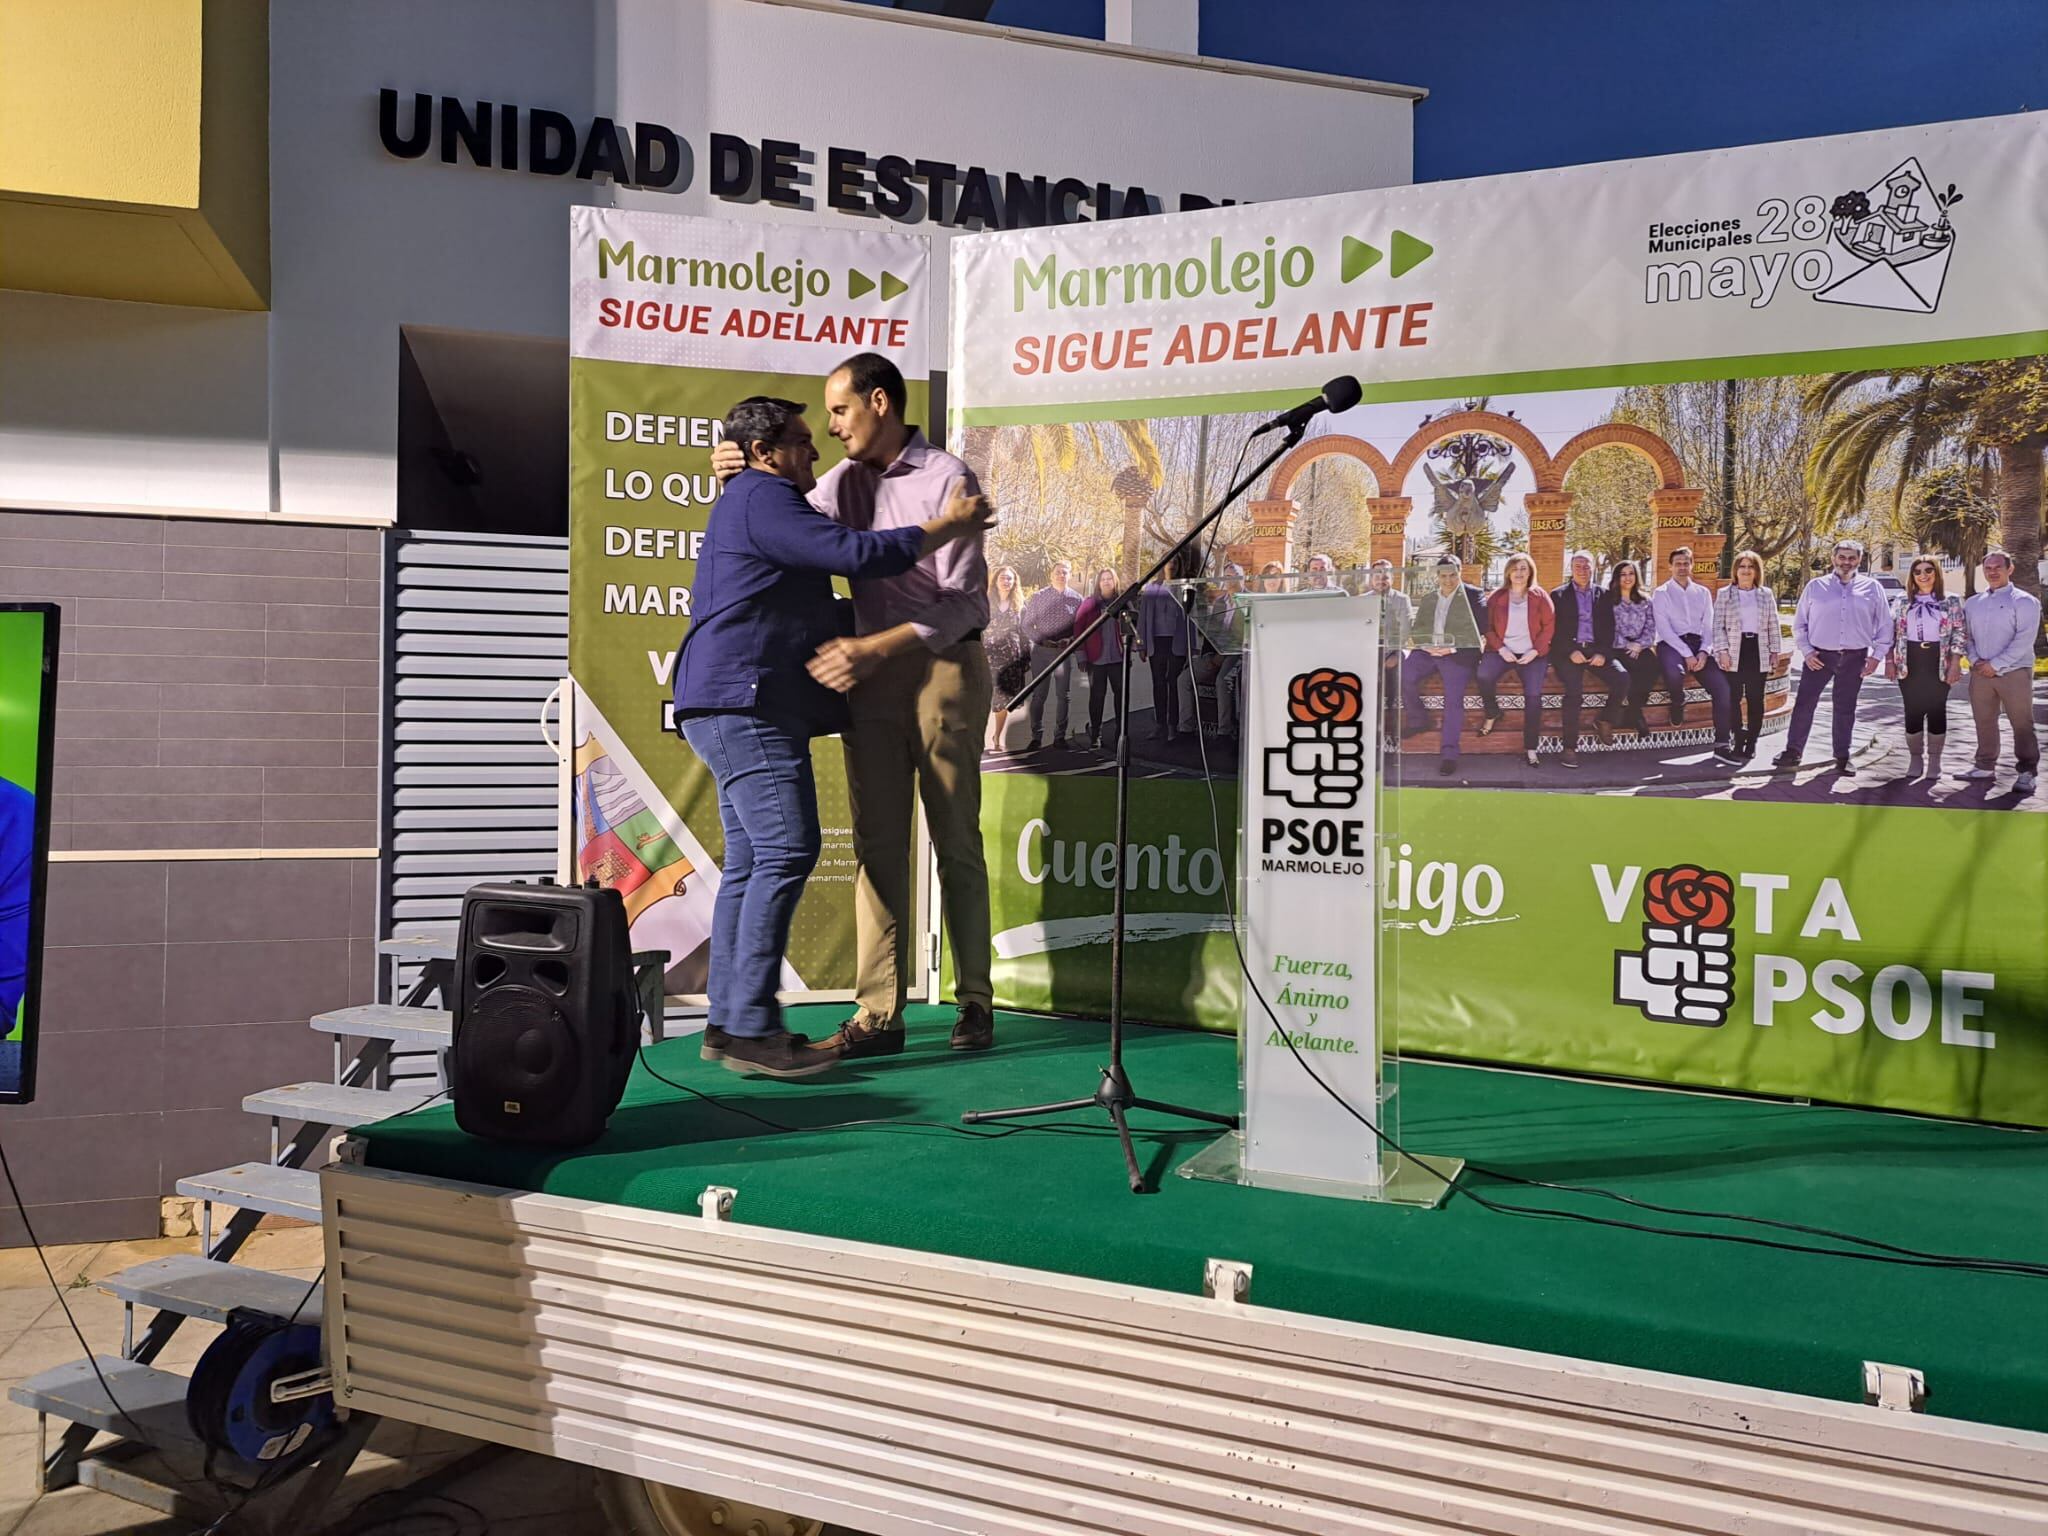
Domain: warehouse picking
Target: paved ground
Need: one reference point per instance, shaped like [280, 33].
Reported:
[512, 1495]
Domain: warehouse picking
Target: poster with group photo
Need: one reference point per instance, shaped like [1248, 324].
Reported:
[1714, 509]
[673, 321]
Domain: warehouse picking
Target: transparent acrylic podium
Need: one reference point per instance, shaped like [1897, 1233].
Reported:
[1303, 664]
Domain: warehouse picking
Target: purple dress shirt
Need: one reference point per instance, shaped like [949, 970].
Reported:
[944, 597]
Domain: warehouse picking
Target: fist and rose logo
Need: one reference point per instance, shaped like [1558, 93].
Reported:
[1321, 763]
[1685, 971]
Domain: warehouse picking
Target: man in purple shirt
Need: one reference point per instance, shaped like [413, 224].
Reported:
[918, 690]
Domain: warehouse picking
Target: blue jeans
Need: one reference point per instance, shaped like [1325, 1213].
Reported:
[768, 803]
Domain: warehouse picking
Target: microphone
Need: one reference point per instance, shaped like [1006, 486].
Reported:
[1338, 395]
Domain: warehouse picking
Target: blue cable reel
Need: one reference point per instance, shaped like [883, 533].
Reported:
[228, 1402]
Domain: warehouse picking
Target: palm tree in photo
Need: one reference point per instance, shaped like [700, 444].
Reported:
[1911, 420]
[1953, 516]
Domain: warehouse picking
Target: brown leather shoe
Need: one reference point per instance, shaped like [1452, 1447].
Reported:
[865, 1035]
[781, 1054]
[975, 1029]
[716, 1042]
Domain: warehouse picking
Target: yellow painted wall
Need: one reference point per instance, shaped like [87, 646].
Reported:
[100, 99]
[135, 150]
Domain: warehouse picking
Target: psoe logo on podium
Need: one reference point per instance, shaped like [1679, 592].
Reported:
[1320, 763]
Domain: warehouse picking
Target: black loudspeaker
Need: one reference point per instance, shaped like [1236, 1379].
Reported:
[546, 1017]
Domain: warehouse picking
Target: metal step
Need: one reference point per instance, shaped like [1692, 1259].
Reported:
[153, 1400]
[326, 1104]
[259, 1187]
[408, 1029]
[209, 1290]
[418, 946]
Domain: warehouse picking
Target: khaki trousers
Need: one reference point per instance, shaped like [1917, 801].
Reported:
[2012, 692]
[917, 731]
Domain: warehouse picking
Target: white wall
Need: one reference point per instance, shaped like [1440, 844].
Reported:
[363, 243]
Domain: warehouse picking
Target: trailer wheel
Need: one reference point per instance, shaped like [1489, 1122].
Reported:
[637, 1507]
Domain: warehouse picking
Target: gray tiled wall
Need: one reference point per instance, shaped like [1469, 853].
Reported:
[221, 686]
[219, 689]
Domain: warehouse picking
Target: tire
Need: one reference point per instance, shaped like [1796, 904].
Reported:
[636, 1507]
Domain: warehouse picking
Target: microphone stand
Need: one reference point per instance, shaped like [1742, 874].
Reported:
[1114, 1095]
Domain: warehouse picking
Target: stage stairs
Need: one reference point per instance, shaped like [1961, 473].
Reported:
[389, 1058]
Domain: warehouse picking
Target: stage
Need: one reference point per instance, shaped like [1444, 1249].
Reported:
[1054, 1200]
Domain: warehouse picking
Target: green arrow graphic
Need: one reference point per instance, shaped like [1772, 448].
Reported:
[1409, 253]
[858, 283]
[1359, 258]
[892, 285]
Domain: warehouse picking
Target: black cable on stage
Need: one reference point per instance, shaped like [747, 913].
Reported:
[1882, 1252]
[879, 1123]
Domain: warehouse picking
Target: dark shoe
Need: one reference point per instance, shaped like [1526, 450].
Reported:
[1568, 758]
[1031, 745]
[865, 1035]
[1842, 765]
[716, 1042]
[1604, 731]
[1726, 752]
[1785, 761]
[1447, 767]
[778, 1055]
[975, 1029]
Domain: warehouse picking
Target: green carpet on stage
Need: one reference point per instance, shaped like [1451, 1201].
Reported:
[1055, 1199]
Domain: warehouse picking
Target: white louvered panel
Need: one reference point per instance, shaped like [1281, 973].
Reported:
[903, 1392]
[479, 638]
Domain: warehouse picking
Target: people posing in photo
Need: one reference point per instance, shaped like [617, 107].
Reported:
[1397, 620]
[1321, 574]
[1009, 653]
[1747, 642]
[1928, 654]
[1449, 630]
[1582, 650]
[1102, 653]
[1049, 615]
[2001, 624]
[1685, 618]
[748, 703]
[1163, 646]
[1520, 625]
[1843, 628]
[1632, 620]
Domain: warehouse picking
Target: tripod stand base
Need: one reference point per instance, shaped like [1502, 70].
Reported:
[1115, 1097]
[1414, 1180]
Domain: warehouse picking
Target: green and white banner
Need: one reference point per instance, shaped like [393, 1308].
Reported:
[672, 321]
[1763, 349]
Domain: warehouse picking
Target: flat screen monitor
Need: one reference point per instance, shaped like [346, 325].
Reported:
[28, 701]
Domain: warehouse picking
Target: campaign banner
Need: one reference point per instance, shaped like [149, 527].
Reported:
[1890, 247]
[673, 320]
[1715, 757]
